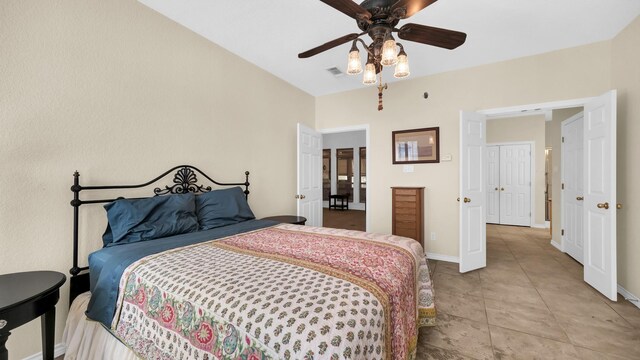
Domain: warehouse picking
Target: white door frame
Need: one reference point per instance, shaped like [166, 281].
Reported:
[532, 203]
[362, 127]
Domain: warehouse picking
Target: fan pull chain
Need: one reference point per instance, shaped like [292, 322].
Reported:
[381, 88]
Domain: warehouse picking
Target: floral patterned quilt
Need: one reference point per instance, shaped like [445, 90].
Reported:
[284, 292]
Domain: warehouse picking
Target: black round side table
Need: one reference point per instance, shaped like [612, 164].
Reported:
[288, 219]
[24, 297]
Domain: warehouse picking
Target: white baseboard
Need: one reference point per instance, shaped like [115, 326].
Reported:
[547, 224]
[58, 350]
[540, 226]
[556, 245]
[629, 296]
[440, 257]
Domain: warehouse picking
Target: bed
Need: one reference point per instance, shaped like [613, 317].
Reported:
[230, 286]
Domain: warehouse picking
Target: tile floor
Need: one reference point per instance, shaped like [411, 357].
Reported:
[528, 303]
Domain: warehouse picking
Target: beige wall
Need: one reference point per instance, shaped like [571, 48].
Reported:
[559, 75]
[121, 93]
[626, 78]
[525, 128]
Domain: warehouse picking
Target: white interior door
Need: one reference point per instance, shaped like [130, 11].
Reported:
[572, 191]
[515, 185]
[600, 194]
[473, 236]
[309, 196]
[493, 184]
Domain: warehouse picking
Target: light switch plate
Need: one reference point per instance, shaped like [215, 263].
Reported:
[445, 157]
[407, 168]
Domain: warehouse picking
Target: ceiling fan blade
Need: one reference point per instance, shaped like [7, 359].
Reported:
[350, 8]
[443, 38]
[412, 6]
[328, 45]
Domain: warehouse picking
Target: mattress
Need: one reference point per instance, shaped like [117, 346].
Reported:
[276, 292]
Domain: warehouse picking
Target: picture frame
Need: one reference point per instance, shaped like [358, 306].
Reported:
[416, 146]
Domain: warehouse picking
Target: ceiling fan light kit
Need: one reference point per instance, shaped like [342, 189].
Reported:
[378, 19]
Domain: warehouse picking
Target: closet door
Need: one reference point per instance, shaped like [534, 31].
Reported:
[493, 184]
[515, 185]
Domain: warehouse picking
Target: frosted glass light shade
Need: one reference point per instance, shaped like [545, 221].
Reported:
[389, 55]
[402, 67]
[369, 77]
[354, 65]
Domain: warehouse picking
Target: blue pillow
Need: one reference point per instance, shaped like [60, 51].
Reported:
[222, 207]
[133, 220]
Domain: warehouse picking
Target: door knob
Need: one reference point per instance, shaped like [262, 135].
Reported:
[603, 206]
[467, 200]
[619, 206]
[496, 189]
[579, 198]
[501, 189]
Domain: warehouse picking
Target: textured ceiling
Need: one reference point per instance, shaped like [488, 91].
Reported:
[270, 34]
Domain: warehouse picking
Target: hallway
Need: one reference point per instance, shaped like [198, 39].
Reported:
[529, 302]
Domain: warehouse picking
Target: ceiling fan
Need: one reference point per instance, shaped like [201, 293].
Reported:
[378, 19]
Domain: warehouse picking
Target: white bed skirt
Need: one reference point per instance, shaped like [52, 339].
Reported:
[89, 340]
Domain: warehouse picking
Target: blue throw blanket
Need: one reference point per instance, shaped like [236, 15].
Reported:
[107, 264]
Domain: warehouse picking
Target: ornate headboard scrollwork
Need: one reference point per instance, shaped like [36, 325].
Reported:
[185, 180]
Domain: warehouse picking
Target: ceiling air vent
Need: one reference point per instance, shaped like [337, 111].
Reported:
[335, 72]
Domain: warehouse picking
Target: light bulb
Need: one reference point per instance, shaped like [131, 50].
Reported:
[369, 77]
[402, 67]
[389, 55]
[354, 65]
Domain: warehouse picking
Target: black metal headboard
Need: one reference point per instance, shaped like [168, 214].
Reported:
[185, 180]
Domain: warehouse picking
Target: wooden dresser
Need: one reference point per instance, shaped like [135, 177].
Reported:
[407, 212]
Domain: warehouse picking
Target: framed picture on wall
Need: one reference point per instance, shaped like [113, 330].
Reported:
[416, 146]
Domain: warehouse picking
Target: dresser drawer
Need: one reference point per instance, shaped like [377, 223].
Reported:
[406, 192]
[400, 217]
[405, 204]
[410, 233]
[405, 198]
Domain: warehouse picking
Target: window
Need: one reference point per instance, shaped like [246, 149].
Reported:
[363, 175]
[345, 172]
[326, 174]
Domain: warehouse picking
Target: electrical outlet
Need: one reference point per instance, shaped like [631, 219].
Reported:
[433, 236]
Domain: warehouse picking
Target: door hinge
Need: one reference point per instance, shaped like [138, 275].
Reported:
[562, 232]
[563, 139]
[562, 186]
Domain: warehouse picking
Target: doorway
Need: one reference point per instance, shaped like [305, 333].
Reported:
[344, 180]
[599, 172]
[316, 171]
